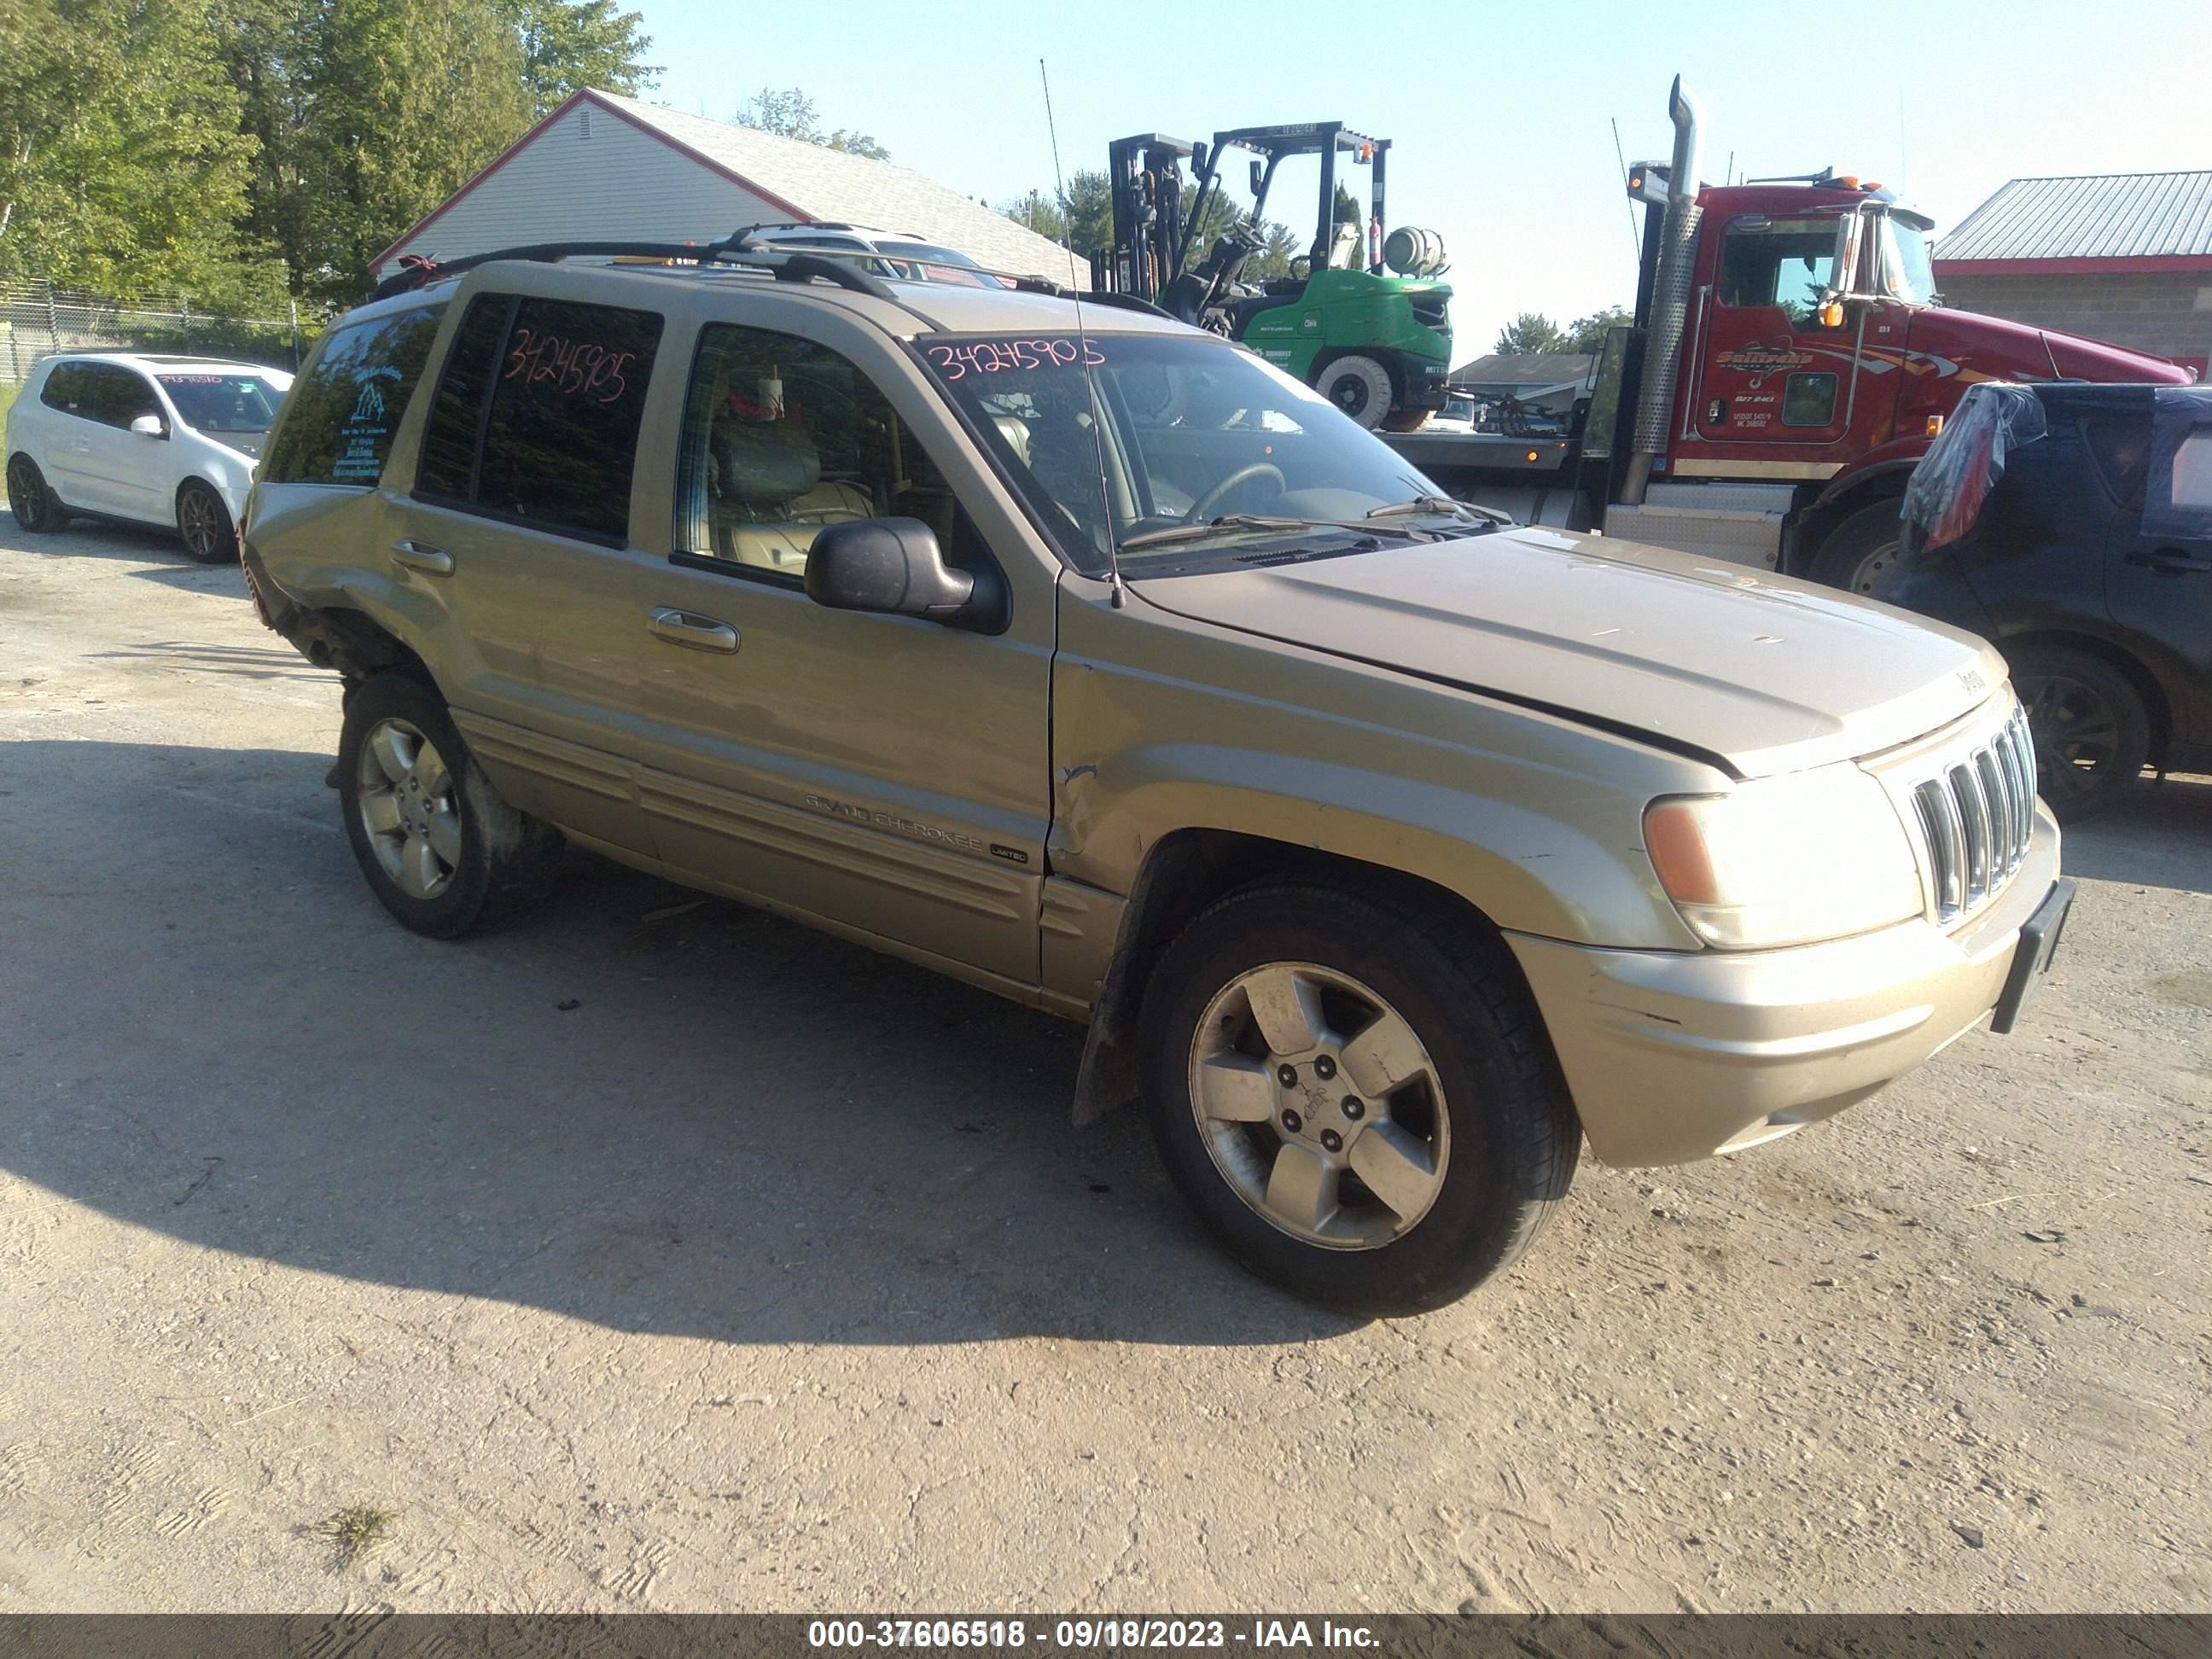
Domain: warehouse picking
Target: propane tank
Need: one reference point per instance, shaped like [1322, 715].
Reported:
[1412, 253]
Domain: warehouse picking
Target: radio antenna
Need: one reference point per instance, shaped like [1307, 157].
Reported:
[1119, 593]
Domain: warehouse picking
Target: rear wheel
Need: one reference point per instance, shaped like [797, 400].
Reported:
[204, 525]
[440, 848]
[35, 509]
[2092, 732]
[1363, 1106]
[1861, 550]
[1360, 387]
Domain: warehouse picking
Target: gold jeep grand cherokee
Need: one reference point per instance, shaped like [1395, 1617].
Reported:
[1389, 850]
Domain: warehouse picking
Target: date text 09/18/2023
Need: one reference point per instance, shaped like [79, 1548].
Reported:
[1083, 1634]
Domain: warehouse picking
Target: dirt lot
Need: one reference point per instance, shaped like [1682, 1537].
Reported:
[655, 1254]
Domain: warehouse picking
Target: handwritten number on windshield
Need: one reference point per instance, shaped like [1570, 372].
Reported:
[957, 363]
[570, 366]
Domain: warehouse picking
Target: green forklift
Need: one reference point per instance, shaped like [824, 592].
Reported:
[1376, 345]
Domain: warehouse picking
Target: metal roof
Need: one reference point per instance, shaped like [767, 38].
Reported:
[2123, 215]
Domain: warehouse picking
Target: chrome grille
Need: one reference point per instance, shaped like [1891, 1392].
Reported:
[1977, 815]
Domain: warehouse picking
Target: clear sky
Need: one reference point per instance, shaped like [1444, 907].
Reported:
[1500, 113]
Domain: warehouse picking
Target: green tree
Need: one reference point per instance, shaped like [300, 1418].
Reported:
[124, 163]
[1038, 212]
[790, 114]
[402, 101]
[569, 45]
[1087, 206]
[1531, 332]
[1274, 259]
[1587, 334]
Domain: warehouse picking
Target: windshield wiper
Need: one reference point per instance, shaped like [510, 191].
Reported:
[1431, 504]
[1254, 521]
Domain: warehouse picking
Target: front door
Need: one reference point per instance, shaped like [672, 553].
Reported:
[883, 773]
[518, 530]
[129, 473]
[1771, 371]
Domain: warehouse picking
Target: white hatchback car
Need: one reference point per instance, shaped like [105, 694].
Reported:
[161, 440]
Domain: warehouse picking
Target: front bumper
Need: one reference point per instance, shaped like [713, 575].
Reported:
[1672, 1056]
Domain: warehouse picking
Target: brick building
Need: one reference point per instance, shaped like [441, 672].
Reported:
[2125, 257]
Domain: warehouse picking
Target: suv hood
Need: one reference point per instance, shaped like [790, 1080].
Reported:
[1763, 672]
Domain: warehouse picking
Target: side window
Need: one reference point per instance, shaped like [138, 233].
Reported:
[1784, 262]
[67, 388]
[1809, 400]
[2120, 446]
[119, 396]
[448, 467]
[557, 446]
[337, 421]
[782, 436]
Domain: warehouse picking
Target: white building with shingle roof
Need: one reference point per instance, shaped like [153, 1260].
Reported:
[605, 167]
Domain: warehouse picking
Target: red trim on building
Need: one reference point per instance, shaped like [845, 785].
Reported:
[587, 95]
[2076, 267]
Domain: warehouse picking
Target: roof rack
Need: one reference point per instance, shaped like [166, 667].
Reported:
[742, 249]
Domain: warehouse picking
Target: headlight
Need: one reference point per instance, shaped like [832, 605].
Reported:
[1784, 860]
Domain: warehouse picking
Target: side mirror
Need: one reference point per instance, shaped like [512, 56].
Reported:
[893, 567]
[149, 426]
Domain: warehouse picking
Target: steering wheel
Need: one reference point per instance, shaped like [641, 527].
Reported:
[1203, 508]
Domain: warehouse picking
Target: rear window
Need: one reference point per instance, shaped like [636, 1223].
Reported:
[556, 446]
[337, 422]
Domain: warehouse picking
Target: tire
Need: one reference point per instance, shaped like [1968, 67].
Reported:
[1360, 387]
[1475, 1137]
[443, 853]
[204, 525]
[2091, 729]
[1861, 549]
[1408, 420]
[38, 510]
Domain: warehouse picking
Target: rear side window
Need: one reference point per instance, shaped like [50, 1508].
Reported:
[2120, 444]
[556, 444]
[67, 388]
[337, 422]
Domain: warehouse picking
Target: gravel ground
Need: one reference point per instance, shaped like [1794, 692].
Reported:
[656, 1252]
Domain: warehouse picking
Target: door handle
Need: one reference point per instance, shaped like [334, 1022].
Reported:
[2171, 559]
[420, 555]
[690, 628]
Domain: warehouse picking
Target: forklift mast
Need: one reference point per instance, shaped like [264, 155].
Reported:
[1145, 172]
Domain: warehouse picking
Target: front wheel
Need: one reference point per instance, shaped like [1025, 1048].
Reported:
[204, 525]
[1365, 1108]
[1360, 387]
[1861, 550]
[442, 849]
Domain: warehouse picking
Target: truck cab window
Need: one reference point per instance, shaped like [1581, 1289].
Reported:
[1784, 262]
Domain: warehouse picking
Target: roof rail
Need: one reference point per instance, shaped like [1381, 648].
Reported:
[742, 249]
[1089, 296]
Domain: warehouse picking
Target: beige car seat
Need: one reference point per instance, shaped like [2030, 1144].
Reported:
[769, 498]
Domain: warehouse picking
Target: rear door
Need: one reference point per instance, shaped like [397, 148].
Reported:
[518, 531]
[2158, 572]
[128, 472]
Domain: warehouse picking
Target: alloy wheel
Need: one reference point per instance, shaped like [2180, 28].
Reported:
[408, 804]
[2077, 735]
[27, 491]
[1320, 1106]
[197, 525]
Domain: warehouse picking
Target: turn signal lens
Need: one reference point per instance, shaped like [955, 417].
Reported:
[1831, 315]
[1935, 424]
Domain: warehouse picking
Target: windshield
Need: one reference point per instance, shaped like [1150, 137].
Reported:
[1906, 271]
[1194, 429]
[223, 403]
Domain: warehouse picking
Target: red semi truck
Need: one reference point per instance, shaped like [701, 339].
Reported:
[1789, 363]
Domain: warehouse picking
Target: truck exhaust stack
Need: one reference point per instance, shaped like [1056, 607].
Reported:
[1670, 298]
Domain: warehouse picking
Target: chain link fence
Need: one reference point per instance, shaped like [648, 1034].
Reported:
[36, 319]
